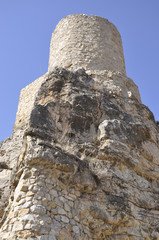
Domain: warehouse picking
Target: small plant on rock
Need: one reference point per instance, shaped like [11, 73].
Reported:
[1, 142]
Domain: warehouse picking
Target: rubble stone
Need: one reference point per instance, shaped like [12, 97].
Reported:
[83, 160]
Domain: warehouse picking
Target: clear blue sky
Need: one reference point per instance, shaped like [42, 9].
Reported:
[25, 32]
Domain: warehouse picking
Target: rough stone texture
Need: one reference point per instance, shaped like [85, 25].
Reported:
[86, 42]
[26, 102]
[84, 162]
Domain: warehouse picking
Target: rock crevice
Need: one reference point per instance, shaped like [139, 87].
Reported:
[83, 159]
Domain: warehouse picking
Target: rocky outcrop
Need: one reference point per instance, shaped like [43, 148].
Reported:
[83, 163]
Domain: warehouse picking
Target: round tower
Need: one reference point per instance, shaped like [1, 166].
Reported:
[92, 43]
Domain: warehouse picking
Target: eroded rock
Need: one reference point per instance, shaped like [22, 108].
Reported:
[83, 161]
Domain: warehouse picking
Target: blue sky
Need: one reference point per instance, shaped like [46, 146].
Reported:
[26, 27]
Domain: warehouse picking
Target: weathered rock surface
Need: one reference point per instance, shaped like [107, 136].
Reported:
[92, 43]
[85, 163]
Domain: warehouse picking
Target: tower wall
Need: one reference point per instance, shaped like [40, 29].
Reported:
[92, 43]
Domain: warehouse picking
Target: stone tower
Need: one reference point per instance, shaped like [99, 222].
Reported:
[83, 159]
[92, 43]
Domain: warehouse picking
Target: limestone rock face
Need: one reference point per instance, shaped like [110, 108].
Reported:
[83, 160]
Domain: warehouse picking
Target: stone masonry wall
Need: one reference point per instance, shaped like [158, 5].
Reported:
[41, 206]
[115, 81]
[88, 164]
[92, 43]
[83, 160]
[79, 41]
[44, 208]
[26, 101]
